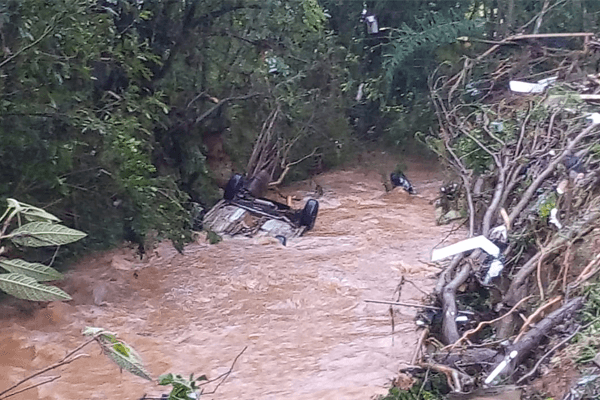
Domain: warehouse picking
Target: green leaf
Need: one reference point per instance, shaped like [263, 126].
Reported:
[39, 272]
[93, 331]
[27, 288]
[121, 349]
[31, 213]
[165, 379]
[39, 234]
[119, 352]
[131, 363]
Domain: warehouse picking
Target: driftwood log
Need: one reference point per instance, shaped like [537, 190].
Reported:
[541, 330]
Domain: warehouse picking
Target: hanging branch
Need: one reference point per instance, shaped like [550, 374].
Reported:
[206, 114]
[65, 360]
[289, 165]
[45, 34]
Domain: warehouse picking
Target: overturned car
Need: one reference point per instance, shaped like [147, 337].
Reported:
[243, 211]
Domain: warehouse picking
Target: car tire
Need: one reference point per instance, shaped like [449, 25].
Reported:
[234, 185]
[309, 214]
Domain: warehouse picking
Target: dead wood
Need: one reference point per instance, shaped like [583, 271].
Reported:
[510, 39]
[471, 332]
[512, 152]
[548, 353]
[457, 380]
[532, 338]
[459, 358]
[526, 198]
[577, 229]
[417, 355]
[531, 319]
[449, 329]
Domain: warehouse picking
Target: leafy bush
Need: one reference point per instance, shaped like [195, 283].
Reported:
[41, 229]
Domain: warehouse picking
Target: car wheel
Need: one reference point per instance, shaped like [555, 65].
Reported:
[309, 214]
[233, 186]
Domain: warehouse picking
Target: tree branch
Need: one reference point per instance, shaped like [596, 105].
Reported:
[46, 32]
[221, 103]
[548, 171]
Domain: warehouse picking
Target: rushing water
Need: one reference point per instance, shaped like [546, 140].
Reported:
[299, 309]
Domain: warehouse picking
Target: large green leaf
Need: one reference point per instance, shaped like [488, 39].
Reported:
[32, 213]
[39, 234]
[119, 352]
[27, 288]
[37, 271]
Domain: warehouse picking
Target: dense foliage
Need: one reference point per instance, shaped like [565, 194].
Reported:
[118, 115]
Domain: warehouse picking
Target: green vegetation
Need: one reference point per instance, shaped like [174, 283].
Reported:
[433, 386]
[35, 228]
[118, 116]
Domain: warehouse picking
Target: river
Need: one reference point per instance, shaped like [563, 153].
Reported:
[299, 308]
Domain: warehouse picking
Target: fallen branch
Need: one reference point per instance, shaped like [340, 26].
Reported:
[255, 163]
[395, 303]
[590, 270]
[509, 39]
[560, 240]
[417, 354]
[456, 379]
[540, 331]
[535, 314]
[471, 332]
[542, 358]
[449, 329]
[526, 198]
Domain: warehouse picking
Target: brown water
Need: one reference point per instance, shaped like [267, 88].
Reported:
[300, 309]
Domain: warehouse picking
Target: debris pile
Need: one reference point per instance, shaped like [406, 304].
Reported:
[520, 127]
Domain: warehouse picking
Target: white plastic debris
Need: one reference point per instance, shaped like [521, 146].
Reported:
[554, 218]
[547, 81]
[552, 152]
[526, 87]
[462, 318]
[497, 126]
[499, 233]
[495, 270]
[472, 90]
[372, 25]
[478, 242]
[501, 367]
[594, 117]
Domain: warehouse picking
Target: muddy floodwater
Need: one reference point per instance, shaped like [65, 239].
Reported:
[299, 309]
